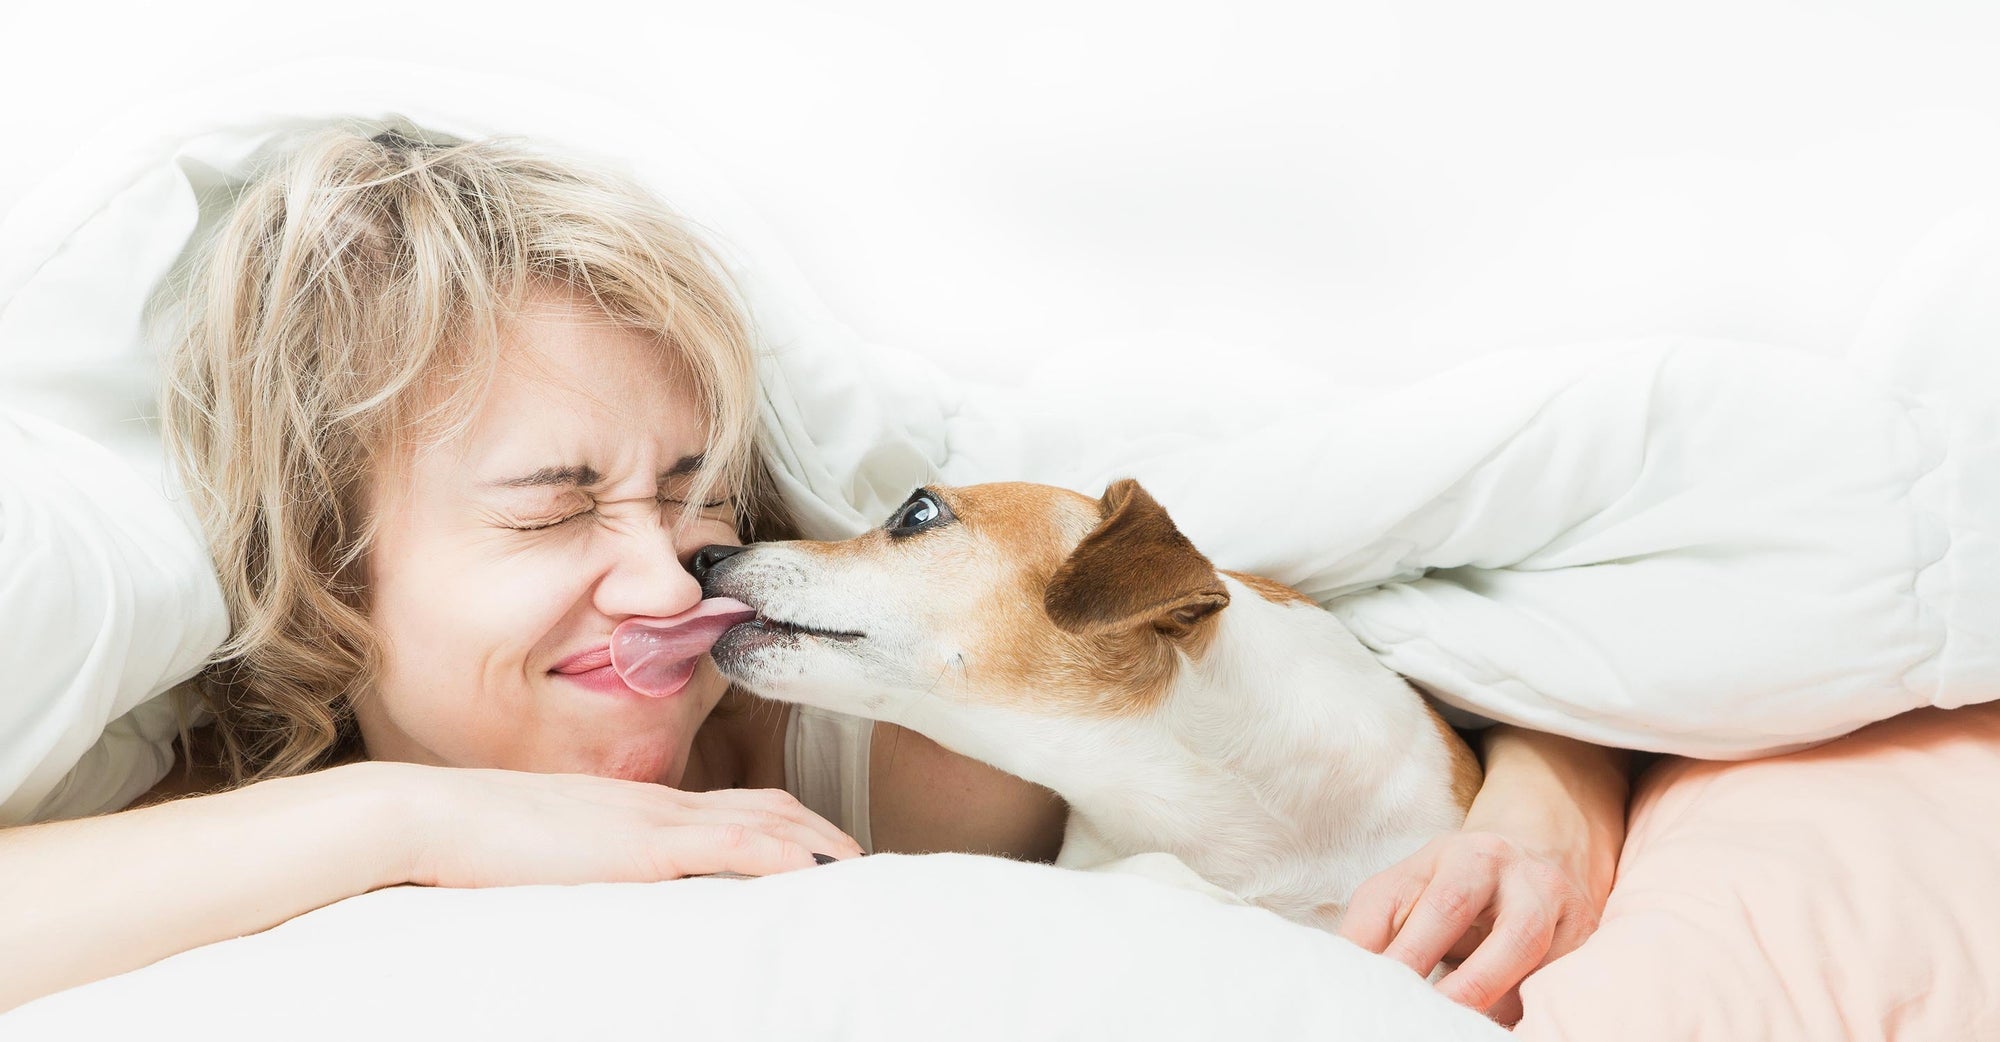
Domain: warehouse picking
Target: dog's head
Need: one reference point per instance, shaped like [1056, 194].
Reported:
[1026, 596]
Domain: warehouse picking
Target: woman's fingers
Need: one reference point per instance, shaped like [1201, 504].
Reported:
[1478, 897]
[828, 840]
[1454, 899]
[772, 803]
[1381, 903]
[783, 805]
[702, 850]
[1467, 944]
[1576, 921]
[497, 828]
[1516, 946]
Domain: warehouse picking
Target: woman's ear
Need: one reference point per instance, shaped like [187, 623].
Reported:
[1135, 568]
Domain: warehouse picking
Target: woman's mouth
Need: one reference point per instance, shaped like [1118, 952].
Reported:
[593, 669]
[585, 661]
[605, 679]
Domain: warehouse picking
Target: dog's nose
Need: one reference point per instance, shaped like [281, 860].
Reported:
[706, 558]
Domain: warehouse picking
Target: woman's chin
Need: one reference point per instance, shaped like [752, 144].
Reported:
[663, 772]
[572, 729]
[635, 761]
[651, 747]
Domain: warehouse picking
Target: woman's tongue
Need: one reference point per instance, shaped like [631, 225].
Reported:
[650, 655]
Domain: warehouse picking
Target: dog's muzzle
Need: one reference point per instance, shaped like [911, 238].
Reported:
[707, 558]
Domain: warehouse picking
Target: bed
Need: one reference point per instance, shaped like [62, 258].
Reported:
[1839, 893]
[1824, 893]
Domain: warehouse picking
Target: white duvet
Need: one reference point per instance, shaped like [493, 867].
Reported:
[1717, 549]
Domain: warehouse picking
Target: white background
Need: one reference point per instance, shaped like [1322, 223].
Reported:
[1381, 189]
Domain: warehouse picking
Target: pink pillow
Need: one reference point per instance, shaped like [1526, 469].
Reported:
[1848, 892]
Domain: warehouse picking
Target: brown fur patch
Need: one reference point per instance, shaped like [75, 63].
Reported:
[1036, 524]
[1271, 589]
[1466, 776]
[1121, 594]
[1134, 569]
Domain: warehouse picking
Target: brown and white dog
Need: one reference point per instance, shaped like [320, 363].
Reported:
[1087, 646]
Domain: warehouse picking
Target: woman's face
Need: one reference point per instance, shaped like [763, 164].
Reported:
[505, 557]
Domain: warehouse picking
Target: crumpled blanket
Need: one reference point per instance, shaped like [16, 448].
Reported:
[1706, 548]
[1713, 549]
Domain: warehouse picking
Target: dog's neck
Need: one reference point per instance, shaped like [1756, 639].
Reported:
[1286, 744]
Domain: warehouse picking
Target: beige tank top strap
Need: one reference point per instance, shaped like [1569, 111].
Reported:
[826, 767]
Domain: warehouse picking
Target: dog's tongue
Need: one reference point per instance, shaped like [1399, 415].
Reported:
[649, 653]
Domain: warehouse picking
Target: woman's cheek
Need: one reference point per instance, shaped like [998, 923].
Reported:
[527, 594]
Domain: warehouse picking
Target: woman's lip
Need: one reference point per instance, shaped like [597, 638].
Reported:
[585, 661]
[606, 679]
[603, 678]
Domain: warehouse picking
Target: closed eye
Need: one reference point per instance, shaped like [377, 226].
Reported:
[680, 485]
[541, 526]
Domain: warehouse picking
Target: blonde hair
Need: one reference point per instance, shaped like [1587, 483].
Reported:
[350, 306]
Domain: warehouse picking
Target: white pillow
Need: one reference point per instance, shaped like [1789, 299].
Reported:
[108, 599]
[887, 947]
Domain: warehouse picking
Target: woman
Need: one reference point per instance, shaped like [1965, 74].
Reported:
[449, 415]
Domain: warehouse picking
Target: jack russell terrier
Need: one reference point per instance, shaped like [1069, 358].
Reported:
[1087, 646]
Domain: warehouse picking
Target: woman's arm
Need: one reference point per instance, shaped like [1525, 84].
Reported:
[94, 897]
[1520, 885]
[83, 900]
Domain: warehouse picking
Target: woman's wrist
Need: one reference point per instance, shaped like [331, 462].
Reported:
[1559, 797]
[388, 807]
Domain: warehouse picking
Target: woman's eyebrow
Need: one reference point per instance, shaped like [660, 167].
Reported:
[580, 475]
[574, 475]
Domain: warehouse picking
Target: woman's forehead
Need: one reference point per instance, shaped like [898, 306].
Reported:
[572, 388]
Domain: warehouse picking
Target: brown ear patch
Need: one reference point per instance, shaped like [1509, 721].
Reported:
[1135, 568]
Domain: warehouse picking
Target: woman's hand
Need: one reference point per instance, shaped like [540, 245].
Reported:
[1480, 897]
[1520, 886]
[476, 828]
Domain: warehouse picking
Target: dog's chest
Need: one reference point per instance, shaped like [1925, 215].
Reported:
[1289, 807]
[1289, 851]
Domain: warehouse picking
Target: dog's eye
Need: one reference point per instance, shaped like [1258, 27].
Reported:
[920, 511]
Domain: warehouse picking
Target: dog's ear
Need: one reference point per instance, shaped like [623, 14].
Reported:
[1135, 568]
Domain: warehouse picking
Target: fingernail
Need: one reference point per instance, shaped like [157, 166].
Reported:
[824, 859]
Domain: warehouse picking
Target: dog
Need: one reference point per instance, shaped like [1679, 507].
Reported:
[1087, 646]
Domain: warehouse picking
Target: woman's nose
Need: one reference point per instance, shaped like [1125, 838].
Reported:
[706, 558]
[647, 578]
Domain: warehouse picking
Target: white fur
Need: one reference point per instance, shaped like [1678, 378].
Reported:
[1287, 765]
